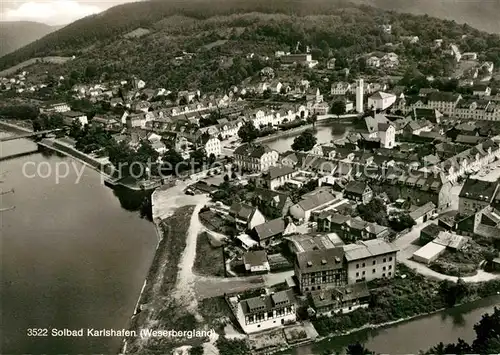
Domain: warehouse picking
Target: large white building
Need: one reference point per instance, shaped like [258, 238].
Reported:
[266, 312]
[255, 157]
[369, 260]
[381, 100]
[211, 145]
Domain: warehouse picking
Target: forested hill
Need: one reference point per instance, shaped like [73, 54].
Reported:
[482, 14]
[220, 34]
[17, 34]
[121, 19]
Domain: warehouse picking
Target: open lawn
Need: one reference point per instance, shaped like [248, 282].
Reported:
[209, 260]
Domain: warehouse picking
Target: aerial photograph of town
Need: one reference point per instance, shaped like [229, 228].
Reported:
[232, 177]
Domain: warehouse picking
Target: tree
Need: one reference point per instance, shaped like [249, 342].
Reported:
[305, 141]
[358, 349]
[487, 338]
[75, 130]
[374, 211]
[488, 334]
[453, 292]
[248, 132]
[196, 350]
[401, 222]
[312, 119]
[198, 156]
[338, 107]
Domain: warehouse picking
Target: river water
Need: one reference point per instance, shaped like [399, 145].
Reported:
[414, 335]
[324, 134]
[75, 255]
[72, 256]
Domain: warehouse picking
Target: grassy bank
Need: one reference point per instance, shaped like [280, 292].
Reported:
[158, 310]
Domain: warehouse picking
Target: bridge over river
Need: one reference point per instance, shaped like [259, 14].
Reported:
[29, 135]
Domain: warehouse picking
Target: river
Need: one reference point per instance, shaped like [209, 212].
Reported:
[414, 335]
[324, 134]
[74, 255]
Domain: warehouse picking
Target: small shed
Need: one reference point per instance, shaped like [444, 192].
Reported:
[428, 253]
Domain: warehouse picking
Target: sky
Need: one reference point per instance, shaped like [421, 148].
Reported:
[53, 12]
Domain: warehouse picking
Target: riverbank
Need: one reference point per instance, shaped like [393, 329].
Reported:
[156, 307]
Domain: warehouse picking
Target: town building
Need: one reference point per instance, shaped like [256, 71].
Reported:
[70, 116]
[381, 100]
[246, 215]
[256, 262]
[358, 191]
[55, 107]
[445, 102]
[369, 260]
[277, 176]
[253, 157]
[476, 195]
[320, 269]
[423, 213]
[266, 311]
[269, 231]
[107, 123]
[481, 90]
[211, 145]
[340, 89]
[348, 228]
[345, 299]
[302, 59]
[302, 211]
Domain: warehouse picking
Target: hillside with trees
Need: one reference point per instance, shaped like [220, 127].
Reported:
[219, 35]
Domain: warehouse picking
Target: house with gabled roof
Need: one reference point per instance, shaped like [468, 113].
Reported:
[342, 300]
[277, 199]
[246, 215]
[256, 262]
[265, 233]
[349, 228]
[264, 312]
[358, 191]
[302, 210]
[369, 260]
[277, 176]
[381, 100]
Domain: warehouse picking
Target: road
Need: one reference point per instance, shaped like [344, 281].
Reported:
[207, 287]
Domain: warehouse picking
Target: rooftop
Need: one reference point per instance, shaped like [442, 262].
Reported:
[255, 258]
[319, 260]
[269, 229]
[367, 249]
[478, 190]
[267, 303]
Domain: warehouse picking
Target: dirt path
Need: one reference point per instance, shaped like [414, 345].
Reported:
[424, 270]
[185, 288]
